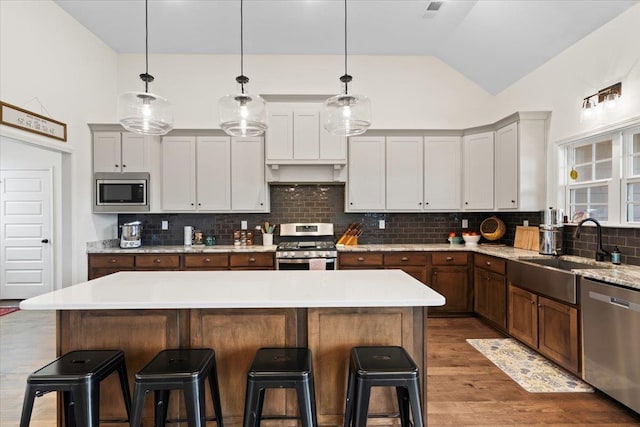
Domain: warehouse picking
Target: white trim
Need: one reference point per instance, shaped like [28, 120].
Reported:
[614, 127]
[33, 139]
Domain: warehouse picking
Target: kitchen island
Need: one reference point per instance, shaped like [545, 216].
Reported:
[237, 312]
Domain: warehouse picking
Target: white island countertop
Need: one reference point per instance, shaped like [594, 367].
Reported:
[240, 289]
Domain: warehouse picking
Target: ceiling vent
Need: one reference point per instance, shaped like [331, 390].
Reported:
[432, 8]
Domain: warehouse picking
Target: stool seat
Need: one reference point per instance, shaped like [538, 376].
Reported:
[78, 375]
[382, 366]
[280, 367]
[178, 369]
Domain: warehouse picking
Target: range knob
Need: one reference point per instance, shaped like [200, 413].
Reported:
[291, 254]
[306, 253]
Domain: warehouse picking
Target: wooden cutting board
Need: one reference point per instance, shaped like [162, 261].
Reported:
[527, 238]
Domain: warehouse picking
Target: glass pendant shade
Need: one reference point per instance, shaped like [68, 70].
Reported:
[243, 114]
[347, 114]
[145, 113]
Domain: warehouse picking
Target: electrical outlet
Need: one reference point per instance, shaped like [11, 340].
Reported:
[525, 222]
[165, 225]
[465, 223]
[243, 225]
[381, 224]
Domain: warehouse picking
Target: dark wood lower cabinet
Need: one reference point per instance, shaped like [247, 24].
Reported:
[490, 293]
[546, 325]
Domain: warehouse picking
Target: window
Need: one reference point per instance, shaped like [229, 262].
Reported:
[591, 168]
[632, 176]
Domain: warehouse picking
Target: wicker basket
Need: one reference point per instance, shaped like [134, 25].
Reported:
[492, 228]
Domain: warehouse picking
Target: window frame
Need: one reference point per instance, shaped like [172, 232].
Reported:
[627, 173]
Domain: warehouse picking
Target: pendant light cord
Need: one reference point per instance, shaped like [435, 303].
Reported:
[146, 43]
[241, 43]
[345, 37]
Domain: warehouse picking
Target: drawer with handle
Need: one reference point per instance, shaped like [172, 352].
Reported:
[158, 262]
[206, 261]
[497, 265]
[251, 260]
[405, 258]
[361, 259]
[110, 261]
[449, 258]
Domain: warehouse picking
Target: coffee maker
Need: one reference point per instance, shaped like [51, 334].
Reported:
[551, 240]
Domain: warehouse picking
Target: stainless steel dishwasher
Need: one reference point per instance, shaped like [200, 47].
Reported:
[610, 340]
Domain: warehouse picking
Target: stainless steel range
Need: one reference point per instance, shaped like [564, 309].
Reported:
[306, 246]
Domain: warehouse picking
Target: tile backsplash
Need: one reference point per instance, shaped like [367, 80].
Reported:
[323, 203]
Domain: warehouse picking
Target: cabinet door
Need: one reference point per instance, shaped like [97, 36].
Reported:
[135, 152]
[106, 152]
[558, 333]
[404, 173]
[332, 147]
[523, 315]
[366, 181]
[213, 173]
[279, 135]
[306, 133]
[506, 180]
[178, 173]
[477, 166]
[442, 172]
[453, 283]
[248, 185]
[490, 291]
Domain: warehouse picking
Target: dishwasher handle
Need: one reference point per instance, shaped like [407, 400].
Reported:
[618, 302]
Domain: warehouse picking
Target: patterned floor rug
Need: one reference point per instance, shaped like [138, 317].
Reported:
[7, 310]
[530, 370]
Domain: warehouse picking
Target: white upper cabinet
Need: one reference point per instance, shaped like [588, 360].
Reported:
[296, 136]
[366, 183]
[478, 168]
[213, 173]
[506, 177]
[178, 173]
[248, 185]
[442, 172]
[404, 173]
[120, 152]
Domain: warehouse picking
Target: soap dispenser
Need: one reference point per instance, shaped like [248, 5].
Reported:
[615, 256]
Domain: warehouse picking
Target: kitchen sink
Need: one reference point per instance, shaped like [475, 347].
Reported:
[561, 263]
[552, 277]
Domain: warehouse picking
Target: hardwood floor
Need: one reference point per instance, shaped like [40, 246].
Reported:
[464, 388]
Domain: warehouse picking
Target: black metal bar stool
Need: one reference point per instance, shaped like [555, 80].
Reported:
[288, 367]
[386, 367]
[179, 369]
[77, 375]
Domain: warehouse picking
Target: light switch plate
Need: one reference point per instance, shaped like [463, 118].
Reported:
[465, 223]
[165, 225]
[243, 225]
[381, 224]
[525, 222]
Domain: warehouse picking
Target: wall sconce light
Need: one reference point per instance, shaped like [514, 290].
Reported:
[606, 97]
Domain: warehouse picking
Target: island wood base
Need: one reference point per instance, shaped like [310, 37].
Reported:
[235, 335]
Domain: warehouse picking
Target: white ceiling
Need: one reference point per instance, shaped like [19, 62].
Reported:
[492, 42]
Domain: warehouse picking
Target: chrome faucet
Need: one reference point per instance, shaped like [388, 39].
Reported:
[601, 254]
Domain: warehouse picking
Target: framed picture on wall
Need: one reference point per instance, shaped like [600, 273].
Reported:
[20, 118]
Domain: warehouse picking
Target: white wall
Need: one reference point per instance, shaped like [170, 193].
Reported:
[406, 92]
[46, 54]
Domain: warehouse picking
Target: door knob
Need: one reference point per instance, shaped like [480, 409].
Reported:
[44, 241]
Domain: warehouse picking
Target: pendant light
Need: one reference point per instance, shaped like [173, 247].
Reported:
[347, 114]
[242, 114]
[145, 112]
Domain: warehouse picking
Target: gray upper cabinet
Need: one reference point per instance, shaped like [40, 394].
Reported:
[120, 152]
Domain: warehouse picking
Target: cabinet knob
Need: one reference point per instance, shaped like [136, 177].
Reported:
[360, 259]
[117, 166]
[466, 203]
[191, 204]
[449, 258]
[124, 166]
[404, 258]
[44, 241]
[513, 201]
[351, 203]
[533, 302]
[488, 262]
[157, 261]
[426, 203]
[252, 260]
[112, 260]
[261, 204]
[207, 260]
[539, 305]
[435, 273]
[420, 203]
[199, 204]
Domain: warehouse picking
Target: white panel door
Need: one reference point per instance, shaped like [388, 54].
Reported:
[248, 184]
[279, 135]
[135, 152]
[26, 231]
[442, 172]
[478, 169]
[404, 173]
[306, 133]
[178, 173]
[213, 173]
[107, 152]
[366, 184]
[506, 181]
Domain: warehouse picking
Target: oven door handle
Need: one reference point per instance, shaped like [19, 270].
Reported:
[302, 260]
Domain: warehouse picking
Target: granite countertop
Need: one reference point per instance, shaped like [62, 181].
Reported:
[622, 275]
[240, 289]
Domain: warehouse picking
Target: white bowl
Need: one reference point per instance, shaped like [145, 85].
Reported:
[471, 240]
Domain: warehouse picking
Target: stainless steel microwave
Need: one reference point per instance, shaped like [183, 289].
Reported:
[121, 192]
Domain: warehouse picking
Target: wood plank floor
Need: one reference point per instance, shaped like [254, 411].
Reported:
[464, 388]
